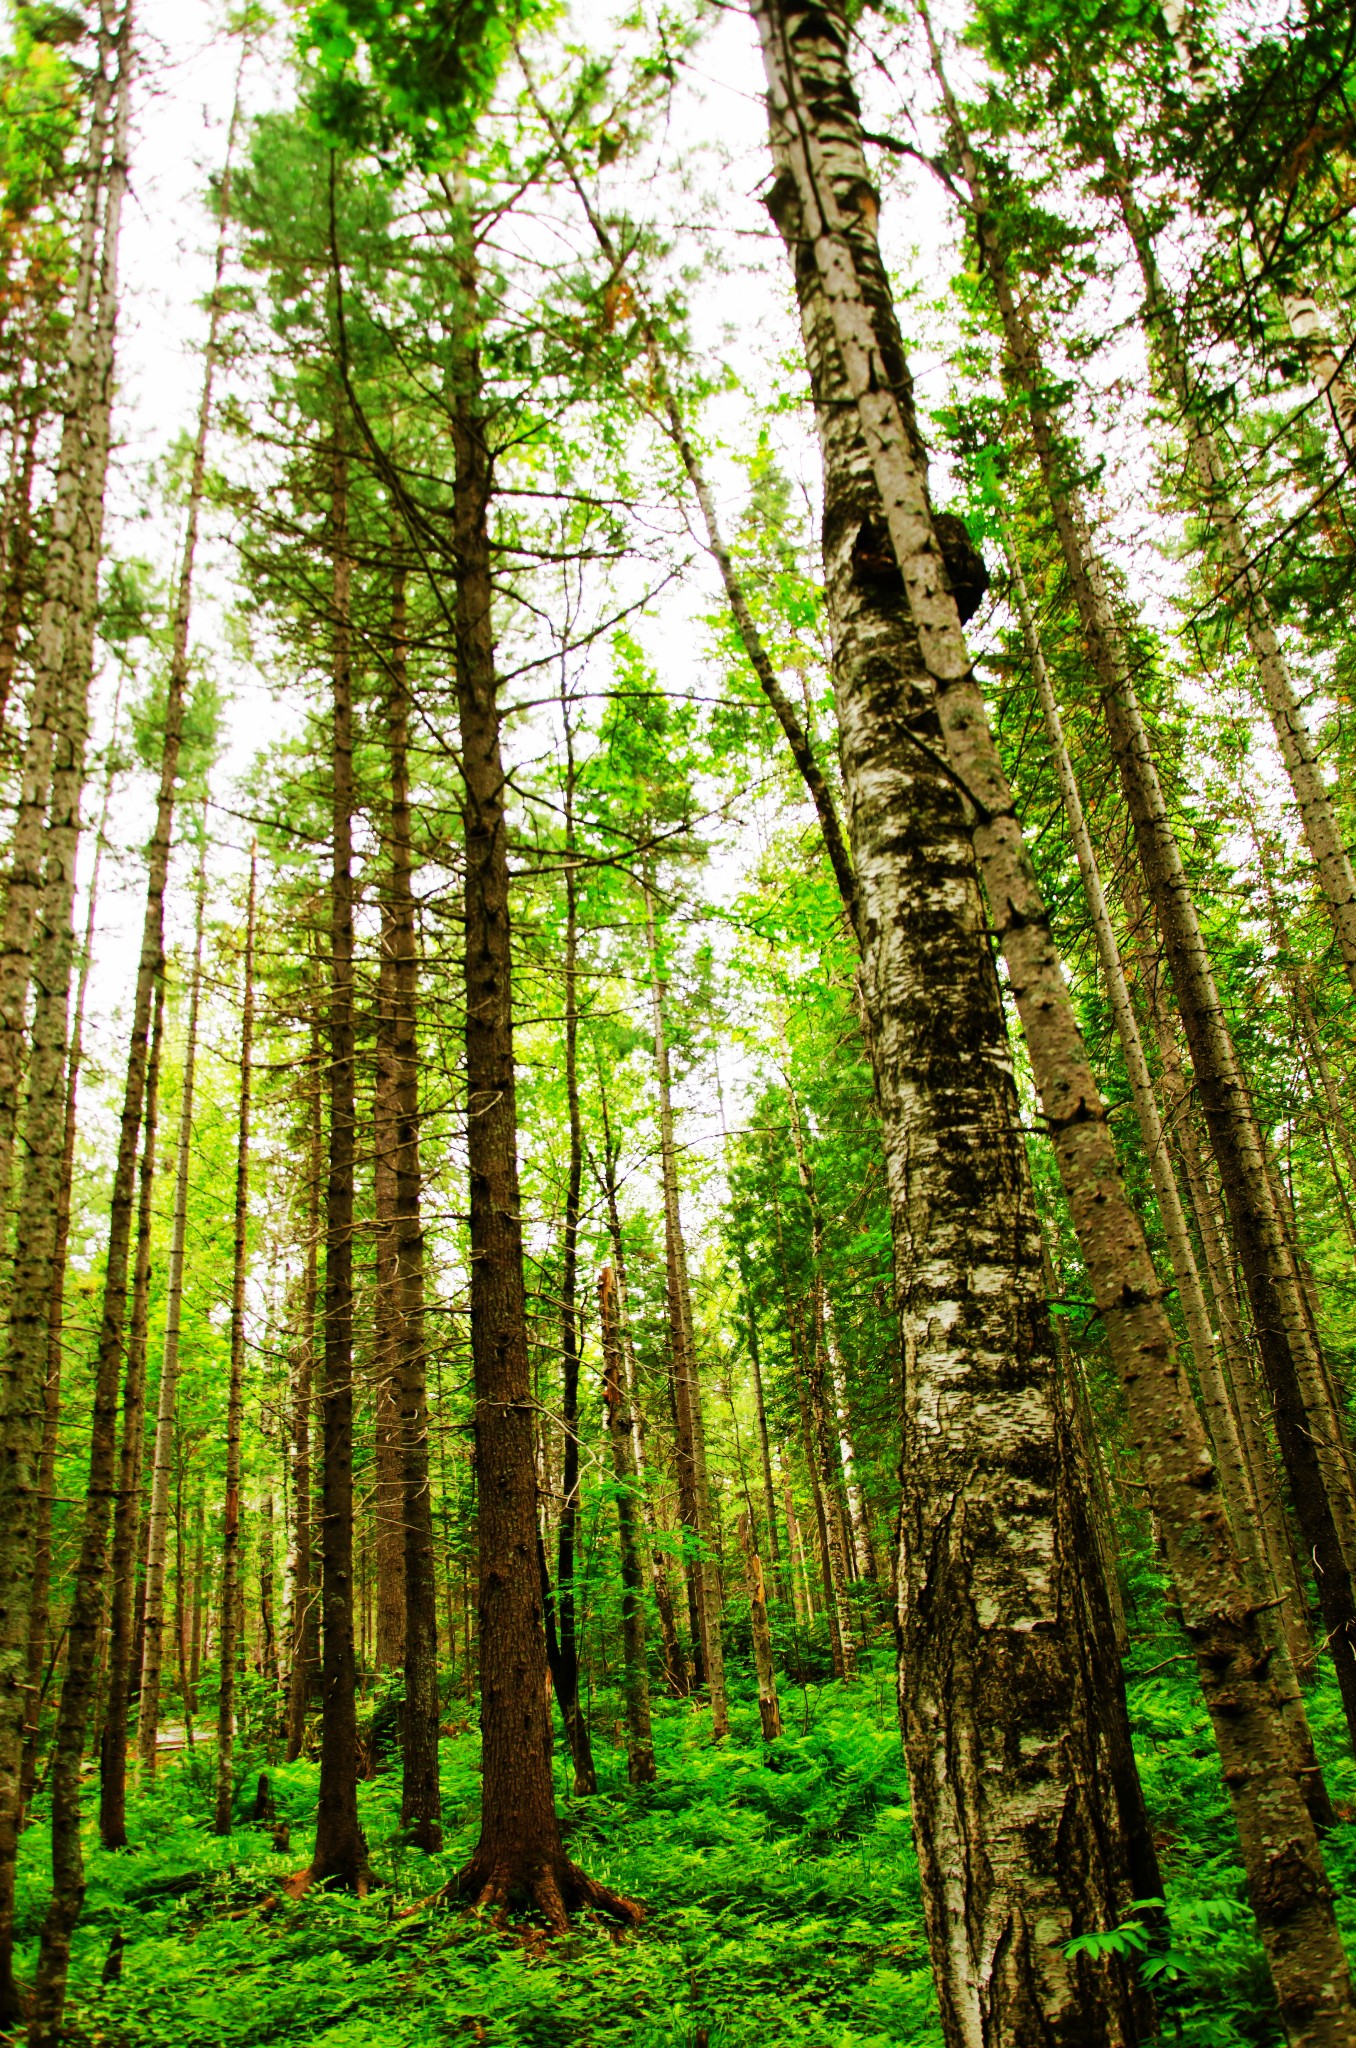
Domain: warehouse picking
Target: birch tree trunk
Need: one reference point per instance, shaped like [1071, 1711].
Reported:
[41, 1581]
[84, 1621]
[163, 1456]
[231, 1577]
[769, 1712]
[875, 466]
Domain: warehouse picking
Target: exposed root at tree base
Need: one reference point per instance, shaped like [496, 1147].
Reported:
[300, 1882]
[555, 1889]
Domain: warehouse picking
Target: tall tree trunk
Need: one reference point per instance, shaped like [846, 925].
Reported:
[1246, 592]
[1245, 1512]
[694, 1496]
[303, 1682]
[84, 1622]
[562, 1634]
[420, 1802]
[519, 1852]
[17, 553]
[388, 1502]
[41, 1581]
[232, 1581]
[340, 1846]
[69, 578]
[127, 1508]
[640, 1766]
[675, 1665]
[822, 1444]
[876, 470]
[34, 890]
[166, 1419]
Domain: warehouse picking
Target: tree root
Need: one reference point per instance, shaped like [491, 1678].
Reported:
[555, 1889]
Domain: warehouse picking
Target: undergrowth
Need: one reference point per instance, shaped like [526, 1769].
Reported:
[781, 1896]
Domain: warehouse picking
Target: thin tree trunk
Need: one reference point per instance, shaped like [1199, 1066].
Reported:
[304, 1651]
[1246, 594]
[388, 1502]
[640, 1765]
[822, 1441]
[232, 1582]
[562, 1633]
[519, 1852]
[420, 1802]
[153, 1653]
[1245, 1511]
[127, 1516]
[855, 351]
[340, 1846]
[769, 1712]
[675, 1665]
[41, 1582]
[703, 1578]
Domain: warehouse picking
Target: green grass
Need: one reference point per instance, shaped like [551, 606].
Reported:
[781, 1895]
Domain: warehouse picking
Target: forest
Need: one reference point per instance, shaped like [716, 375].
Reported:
[677, 1023]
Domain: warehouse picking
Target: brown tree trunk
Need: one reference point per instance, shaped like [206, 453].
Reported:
[127, 1516]
[41, 1581]
[1246, 593]
[303, 1683]
[420, 1802]
[163, 1455]
[388, 1502]
[769, 1712]
[640, 1766]
[519, 1853]
[675, 1665]
[20, 545]
[693, 1491]
[562, 1635]
[876, 470]
[340, 1846]
[232, 1583]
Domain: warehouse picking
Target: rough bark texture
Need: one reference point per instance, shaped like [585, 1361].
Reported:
[232, 1586]
[693, 1490]
[157, 1539]
[519, 1855]
[1220, 1413]
[562, 1633]
[35, 883]
[303, 1682]
[127, 1517]
[84, 1623]
[640, 1766]
[388, 1504]
[769, 1712]
[340, 1846]
[875, 466]
[420, 1803]
[675, 1666]
[1246, 594]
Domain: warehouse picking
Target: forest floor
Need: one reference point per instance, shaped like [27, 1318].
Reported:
[781, 1897]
